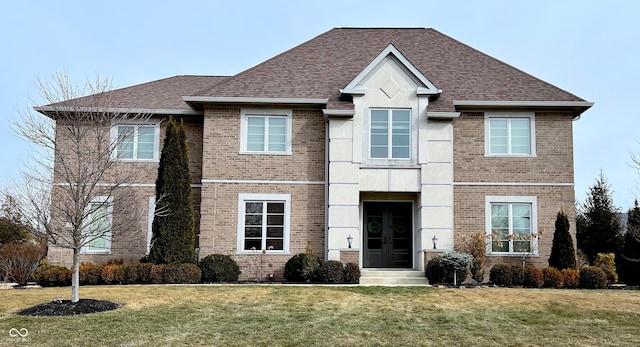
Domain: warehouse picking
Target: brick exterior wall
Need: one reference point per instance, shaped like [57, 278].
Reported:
[131, 245]
[226, 173]
[548, 176]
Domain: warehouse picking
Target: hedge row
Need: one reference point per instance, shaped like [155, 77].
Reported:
[591, 277]
[304, 267]
[139, 273]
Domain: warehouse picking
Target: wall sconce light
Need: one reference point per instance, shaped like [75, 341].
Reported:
[349, 240]
[435, 241]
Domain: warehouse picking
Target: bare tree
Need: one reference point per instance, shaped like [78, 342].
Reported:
[76, 191]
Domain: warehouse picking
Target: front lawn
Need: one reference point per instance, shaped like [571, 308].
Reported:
[270, 315]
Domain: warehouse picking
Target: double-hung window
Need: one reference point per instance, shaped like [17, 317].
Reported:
[97, 230]
[510, 134]
[263, 222]
[266, 131]
[136, 142]
[390, 134]
[511, 225]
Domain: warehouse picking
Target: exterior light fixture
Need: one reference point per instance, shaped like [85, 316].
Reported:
[435, 241]
[349, 240]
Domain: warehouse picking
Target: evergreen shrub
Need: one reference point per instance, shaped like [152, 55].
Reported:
[90, 273]
[351, 273]
[219, 268]
[571, 278]
[606, 261]
[433, 271]
[332, 271]
[593, 277]
[532, 277]
[302, 267]
[553, 278]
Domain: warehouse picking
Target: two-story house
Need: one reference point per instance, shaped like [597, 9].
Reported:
[372, 145]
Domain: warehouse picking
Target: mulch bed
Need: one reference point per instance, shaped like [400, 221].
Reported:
[68, 308]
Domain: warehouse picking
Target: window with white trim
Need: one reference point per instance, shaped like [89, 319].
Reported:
[263, 222]
[136, 142]
[390, 134]
[98, 226]
[512, 225]
[265, 131]
[510, 134]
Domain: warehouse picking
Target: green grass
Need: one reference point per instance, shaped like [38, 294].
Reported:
[330, 316]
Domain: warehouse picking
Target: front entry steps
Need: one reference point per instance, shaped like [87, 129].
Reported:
[392, 277]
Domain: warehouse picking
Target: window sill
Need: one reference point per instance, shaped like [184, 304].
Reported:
[390, 166]
[266, 153]
[258, 252]
[532, 255]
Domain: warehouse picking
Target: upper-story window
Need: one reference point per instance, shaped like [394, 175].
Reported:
[266, 131]
[390, 134]
[510, 134]
[136, 142]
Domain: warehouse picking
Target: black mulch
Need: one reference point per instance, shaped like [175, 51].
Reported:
[67, 308]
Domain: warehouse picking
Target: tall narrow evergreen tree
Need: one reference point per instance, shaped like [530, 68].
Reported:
[173, 238]
[563, 255]
[630, 262]
[601, 229]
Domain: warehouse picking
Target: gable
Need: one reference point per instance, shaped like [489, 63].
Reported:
[391, 66]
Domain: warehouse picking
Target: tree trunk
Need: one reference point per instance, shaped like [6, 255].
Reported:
[75, 276]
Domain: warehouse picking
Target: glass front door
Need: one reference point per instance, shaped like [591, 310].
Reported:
[388, 230]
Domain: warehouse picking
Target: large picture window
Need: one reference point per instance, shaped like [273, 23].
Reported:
[136, 142]
[266, 131]
[510, 135]
[390, 134]
[263, 222]
[511, 225]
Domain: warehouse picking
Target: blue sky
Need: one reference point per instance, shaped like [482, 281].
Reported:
[589, 48]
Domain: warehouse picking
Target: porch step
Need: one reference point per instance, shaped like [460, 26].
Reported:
[392, 277]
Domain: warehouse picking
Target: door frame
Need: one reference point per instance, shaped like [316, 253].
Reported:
[364, 249]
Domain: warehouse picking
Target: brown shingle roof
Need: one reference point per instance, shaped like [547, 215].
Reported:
[320, 67]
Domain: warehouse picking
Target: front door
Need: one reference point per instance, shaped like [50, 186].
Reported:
[388, 234]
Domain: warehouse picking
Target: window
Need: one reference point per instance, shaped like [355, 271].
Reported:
[263, 222]
[136, 142]
[390, 134]
[511, 225]
[98, 228]
[266, 131]
[510, 134]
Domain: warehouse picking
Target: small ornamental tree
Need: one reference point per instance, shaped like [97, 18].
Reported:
[563, 255]
[173, 238]
[456, 263]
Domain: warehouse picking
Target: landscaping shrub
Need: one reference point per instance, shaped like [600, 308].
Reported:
[533, 277]
[478, 251]
[455, 261]
[507, 275]
[113, 274]
[219, 268]
[332, 271]
[606, 261]
[351, 273]
[138, 273]
[500, 275]
[114, 261]
[434, 271]
[52, 275]
[517, 275]
[571, 278]
[157, 274]
[302, 267]
[592, 277]
[563, 254]
[90, 274]
[181, 274]
[19, 260]
[553, 278]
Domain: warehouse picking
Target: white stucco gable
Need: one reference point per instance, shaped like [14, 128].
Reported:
[423, 85]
